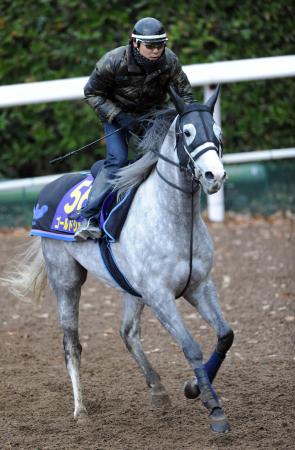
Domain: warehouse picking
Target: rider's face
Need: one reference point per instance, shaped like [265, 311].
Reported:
[149, 51]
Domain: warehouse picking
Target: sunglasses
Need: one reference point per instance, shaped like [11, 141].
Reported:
[159, 45]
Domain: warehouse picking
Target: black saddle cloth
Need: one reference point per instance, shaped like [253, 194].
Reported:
[70, 193]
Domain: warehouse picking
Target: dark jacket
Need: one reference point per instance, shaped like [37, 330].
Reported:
[119, 84]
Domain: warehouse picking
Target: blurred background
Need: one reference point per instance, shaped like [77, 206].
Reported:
[47, 40]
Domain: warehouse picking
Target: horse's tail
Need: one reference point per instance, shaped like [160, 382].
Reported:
[28, 277]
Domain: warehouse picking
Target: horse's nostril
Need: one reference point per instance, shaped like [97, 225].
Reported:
[209, 175]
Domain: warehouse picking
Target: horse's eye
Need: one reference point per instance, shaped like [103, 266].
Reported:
[187, 133]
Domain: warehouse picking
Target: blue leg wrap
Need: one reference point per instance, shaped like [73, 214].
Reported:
[208, 395]
[192, 388]
[213, 364]
[216, 359]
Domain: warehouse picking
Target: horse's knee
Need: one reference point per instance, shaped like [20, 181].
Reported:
[224, 343]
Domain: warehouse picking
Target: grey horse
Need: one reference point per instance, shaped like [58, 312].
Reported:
[165, 251]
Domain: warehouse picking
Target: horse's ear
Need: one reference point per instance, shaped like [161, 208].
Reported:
[212, 100]
[178, 101]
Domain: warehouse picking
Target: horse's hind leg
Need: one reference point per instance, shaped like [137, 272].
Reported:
[130, 333]
[66, 277]
[205, 300]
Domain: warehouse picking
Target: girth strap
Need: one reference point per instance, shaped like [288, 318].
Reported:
[112, 268]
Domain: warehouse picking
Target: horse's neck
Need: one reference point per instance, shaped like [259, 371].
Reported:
[169, 197]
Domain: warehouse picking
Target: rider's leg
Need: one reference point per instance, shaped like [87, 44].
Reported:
[117, 149]
[116, 157]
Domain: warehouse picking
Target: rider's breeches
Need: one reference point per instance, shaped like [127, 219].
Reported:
[116, 157]
[117, 149]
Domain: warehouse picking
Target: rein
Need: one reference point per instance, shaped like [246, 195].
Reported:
[190, 246]
[194, 188]
[190, 169]
[180, 167]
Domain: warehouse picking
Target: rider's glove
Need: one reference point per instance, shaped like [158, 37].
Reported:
[127, 121]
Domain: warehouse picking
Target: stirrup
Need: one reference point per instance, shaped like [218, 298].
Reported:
[75, 215]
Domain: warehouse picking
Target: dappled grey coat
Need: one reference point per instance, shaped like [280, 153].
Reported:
[119, 84]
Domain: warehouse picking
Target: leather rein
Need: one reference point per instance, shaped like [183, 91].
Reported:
[190, 170]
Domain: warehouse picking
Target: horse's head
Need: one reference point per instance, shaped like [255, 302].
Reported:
[199, 145]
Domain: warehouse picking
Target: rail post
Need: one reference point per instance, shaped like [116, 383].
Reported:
[215, 202]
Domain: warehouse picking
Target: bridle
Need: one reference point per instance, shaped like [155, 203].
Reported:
[187, 155]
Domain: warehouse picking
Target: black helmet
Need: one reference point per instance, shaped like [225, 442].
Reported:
[149, 30]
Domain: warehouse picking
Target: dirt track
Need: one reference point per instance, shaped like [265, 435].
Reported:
[254, 273]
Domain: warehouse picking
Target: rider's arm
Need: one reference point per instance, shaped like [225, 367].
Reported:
[98, 87]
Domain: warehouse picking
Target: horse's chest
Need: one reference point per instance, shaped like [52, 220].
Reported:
[158, 246]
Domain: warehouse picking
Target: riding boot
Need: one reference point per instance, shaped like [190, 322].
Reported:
[89, 227]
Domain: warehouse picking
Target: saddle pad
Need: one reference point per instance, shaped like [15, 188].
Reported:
[70, 193]
[55, 201]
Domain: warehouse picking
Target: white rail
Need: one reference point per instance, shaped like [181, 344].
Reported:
[259, 155]
[241, 70]
[27, 183]
[198, 74]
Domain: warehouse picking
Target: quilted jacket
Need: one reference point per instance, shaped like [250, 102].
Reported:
[119, 84]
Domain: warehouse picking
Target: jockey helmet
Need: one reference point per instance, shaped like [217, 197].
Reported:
[149, 30]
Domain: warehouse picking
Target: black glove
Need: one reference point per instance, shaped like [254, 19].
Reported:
[127, 121]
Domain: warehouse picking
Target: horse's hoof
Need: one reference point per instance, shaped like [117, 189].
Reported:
[81, 417]
[191, 389]
[160, 398]
[218, 421]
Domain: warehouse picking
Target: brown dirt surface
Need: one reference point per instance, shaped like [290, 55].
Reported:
[255, 277]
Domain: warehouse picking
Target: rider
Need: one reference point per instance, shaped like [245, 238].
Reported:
[126, 82]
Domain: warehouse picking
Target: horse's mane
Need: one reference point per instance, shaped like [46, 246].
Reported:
[156, 126]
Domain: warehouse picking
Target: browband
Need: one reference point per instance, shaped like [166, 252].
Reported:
[190, 107]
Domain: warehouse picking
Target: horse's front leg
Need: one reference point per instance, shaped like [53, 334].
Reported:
[130, 333]
[205, 299]
[165, 309]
